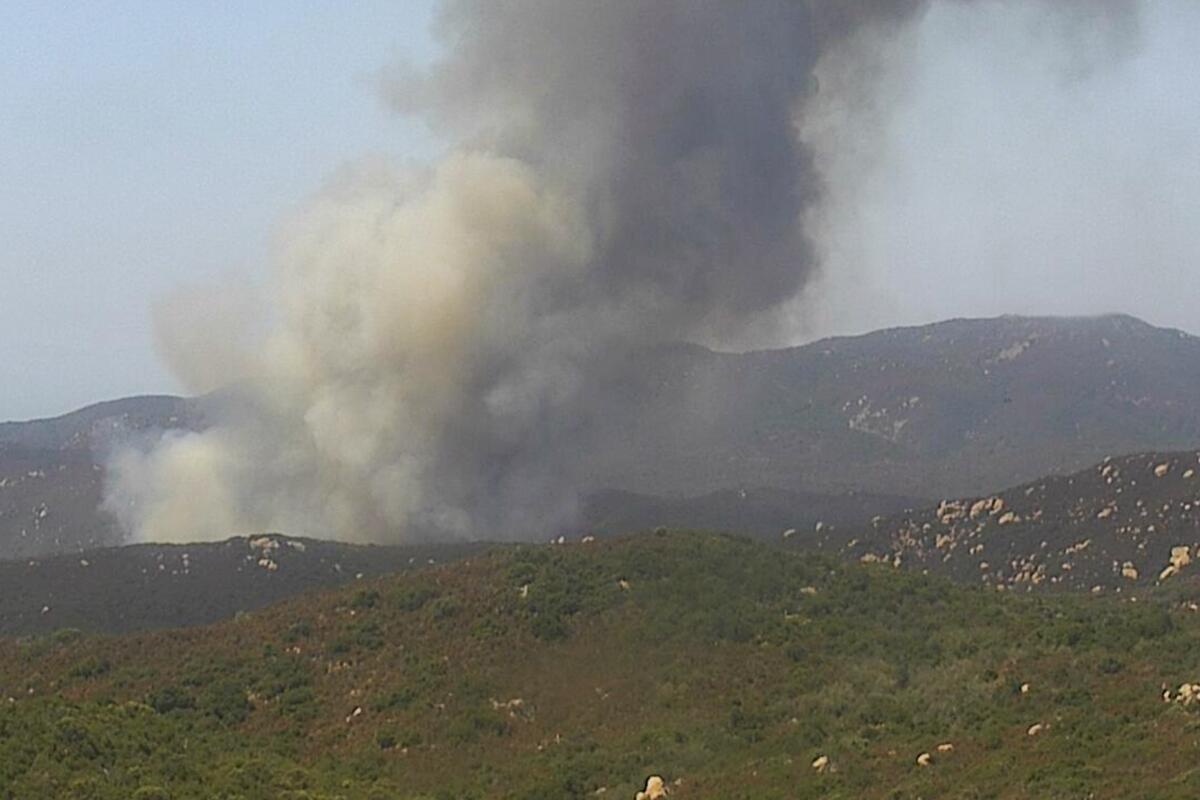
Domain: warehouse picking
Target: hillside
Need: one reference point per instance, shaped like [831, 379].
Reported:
[91, 428]
[153, 586]
[1126, 523]
[761, 513]
[149, 586]
[731, 669]
[954, 408]
[51, 476]
[697, 438]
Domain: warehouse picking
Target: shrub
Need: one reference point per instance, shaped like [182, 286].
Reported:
[397, 700]
[444, 608]
[549, 627]
[91, 667]
[299, 702]
[170, 698]
[364, 599]
[476, 723]
[414, 598]
[297, 631]
[362, 635]
[225, 700]
[65, 635]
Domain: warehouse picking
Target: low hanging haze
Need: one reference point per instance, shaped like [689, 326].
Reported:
[999, 160]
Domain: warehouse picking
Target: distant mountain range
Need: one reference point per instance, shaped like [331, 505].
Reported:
[954, 408]
[838, 431]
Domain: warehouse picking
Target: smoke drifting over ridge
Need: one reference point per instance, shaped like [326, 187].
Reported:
[622, 174]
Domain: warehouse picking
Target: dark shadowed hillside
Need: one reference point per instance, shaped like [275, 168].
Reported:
[153, 586]
[761, 513]
[149, 586]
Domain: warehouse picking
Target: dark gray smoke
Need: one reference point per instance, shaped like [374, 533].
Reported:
[451, 342]
[673, 124]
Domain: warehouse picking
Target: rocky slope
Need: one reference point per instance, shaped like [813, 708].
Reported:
[955, 408]
[92, 428]
[1124, 524]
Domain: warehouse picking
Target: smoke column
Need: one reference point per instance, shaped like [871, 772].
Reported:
[622, 173]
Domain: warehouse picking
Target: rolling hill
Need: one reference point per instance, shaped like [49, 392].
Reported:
[150, 586]
[730, 669]
[153, 586]
[1123, 526]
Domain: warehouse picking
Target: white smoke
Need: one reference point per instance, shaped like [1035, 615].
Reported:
[445, 347]
[397, 295]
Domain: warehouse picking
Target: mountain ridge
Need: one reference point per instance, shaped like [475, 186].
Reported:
[947, 409]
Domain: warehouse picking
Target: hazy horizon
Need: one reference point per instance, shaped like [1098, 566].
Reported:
[153, 145]
[985, 169]
[178, 391]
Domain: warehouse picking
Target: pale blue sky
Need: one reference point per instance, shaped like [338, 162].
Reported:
[145, 144]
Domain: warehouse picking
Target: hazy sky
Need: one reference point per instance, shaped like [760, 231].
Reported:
[1000, 165]
[144, 144]
[1013, 163]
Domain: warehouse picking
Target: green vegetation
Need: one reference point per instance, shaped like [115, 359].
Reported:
[550, 672]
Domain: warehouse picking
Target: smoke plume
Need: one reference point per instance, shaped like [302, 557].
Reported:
[446, 343]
